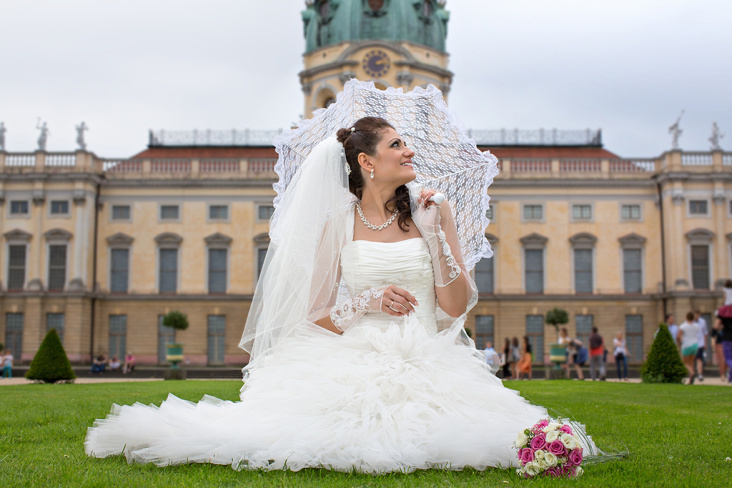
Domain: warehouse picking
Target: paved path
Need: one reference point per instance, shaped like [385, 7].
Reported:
[716, 381]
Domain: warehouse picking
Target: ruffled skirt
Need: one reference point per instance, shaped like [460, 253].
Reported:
[375, 399]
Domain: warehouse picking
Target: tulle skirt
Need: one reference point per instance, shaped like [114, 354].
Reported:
[377, 399]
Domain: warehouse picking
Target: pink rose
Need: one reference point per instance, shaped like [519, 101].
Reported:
[566, 429]
[557, 448]
[539, 441]
[575, 457]
[553, 472]
[568, 470]
[540, 425]
[525, 455]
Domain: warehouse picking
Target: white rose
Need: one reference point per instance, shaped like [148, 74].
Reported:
[521, 439]
[552, 426]
[551, 459]
[539, 454]
[552, 436]
[531, 469]
[569, 441]
[541, 464]
[578, 471]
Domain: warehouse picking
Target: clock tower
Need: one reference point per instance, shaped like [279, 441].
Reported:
[394, 43]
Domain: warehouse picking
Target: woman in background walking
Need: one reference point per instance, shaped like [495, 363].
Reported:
[621, 356]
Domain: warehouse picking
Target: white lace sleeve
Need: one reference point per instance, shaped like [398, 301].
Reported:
[345, 315]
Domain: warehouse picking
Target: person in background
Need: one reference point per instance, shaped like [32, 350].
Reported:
[724, 326]
[515, 357]
[7, 362]
[672, 327]
[99, 364]
[114, 364]
[524, 364]
[621, 356]
[597, 353]
[719, 352]
[566, 341]
[491, 357]
[507, 359]
[129, 365]
[688, 342]
[701, 344]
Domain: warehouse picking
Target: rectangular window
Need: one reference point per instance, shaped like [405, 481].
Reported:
[697, 207]
[168, 270]
[14, 335]
[216, 338]
[583, 270]
[261, 254]
[483, 330]
[57, 267]
[16, 267]
[169, 212]
[534, 259]
[484, 275]
[581, 212]
[19, 207]
[535, 332]
[166, 335]
[533, 212]
[700, 267]
[490, 214]
[217, 270]
[120, 212]
[632, 270]
[265, 212]
[218, 212]
[118, 336]
[59, 207]
[583, 328]
[630, 212]
[120, 270]
[56, 321]
[634, 337]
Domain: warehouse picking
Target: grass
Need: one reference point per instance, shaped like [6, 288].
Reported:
[676, 436]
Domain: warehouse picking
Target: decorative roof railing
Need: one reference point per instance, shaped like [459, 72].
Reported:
[193, 138]
[540, 137]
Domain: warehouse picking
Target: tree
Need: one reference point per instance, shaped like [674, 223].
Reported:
[176, 320]
[50, 363]
[664, 363]
[556, 317]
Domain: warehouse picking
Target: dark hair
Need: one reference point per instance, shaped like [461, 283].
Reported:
[728, 283]
[668, 316]
[364, 138]
[515, 342]
[594, 330]
[690, 316]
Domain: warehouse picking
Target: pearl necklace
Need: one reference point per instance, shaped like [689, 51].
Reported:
[369, 224]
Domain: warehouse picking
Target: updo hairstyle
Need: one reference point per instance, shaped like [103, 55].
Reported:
[365, 136]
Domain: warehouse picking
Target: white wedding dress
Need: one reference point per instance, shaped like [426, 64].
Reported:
[387, 395]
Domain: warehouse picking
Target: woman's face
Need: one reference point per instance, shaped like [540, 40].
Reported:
[393, 159]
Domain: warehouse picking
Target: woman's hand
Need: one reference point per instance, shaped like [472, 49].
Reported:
[397, 301]
[424, 197]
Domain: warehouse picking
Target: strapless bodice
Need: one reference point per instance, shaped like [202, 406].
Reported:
[406, 264]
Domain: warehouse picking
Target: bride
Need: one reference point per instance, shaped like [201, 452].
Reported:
[360, 360]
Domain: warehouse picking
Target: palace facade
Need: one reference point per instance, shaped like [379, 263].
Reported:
[101, 249]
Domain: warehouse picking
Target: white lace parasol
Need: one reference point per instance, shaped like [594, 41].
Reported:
[446, 159]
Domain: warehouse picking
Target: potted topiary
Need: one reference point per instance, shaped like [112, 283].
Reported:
[664, 364]
[174, 354]
[50, 364]
[557, 352]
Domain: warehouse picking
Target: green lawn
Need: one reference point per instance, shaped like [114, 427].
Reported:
[676, 436]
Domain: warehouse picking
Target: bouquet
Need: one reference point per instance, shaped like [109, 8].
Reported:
[549, 448]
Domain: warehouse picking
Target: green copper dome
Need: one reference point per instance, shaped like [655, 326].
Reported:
[328, 22]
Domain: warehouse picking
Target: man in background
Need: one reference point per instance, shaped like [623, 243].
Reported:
[701, 343]
[597, 353]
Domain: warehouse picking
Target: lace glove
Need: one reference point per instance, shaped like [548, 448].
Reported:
[427, 220]
[349, 312]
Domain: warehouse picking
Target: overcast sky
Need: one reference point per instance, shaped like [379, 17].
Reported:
[125, 66]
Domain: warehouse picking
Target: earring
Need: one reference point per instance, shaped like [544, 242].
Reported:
[372, 173]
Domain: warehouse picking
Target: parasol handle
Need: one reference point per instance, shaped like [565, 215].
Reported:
[438, 198]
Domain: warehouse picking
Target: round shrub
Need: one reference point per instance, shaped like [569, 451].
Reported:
[176, 320]
[664, 364]
[50, 363]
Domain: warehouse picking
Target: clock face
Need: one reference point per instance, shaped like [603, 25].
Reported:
[376, 63]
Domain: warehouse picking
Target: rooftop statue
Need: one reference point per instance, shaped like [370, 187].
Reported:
[2, 136]
[676, 132]
[716, 136]
[80, 135]
[43, 137]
